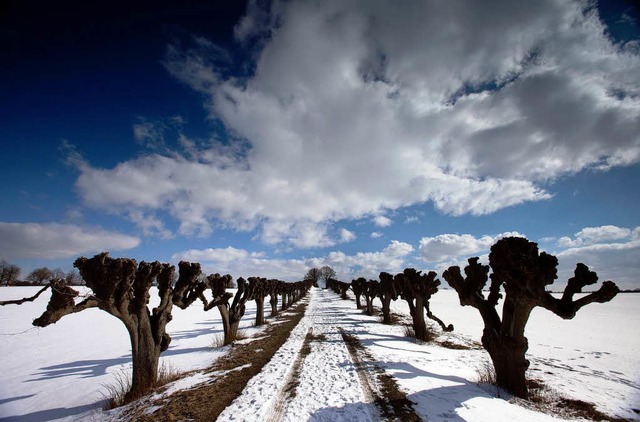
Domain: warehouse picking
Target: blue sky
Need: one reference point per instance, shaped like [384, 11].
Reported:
[269, 137]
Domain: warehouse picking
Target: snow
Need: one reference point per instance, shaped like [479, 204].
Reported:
[59, 372]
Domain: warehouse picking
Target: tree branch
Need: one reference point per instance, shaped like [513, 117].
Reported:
[62, 303]
[566, 307]
[26, 299]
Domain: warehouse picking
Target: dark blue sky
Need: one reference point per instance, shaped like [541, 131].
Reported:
[92, 104]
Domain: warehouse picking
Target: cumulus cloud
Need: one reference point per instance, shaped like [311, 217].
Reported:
[227, 254]
[370, 264]
[382, 221]
[54, 241]
[591, 235]
[447, 247]
[469, 108]
[347, 235]
[242, 263]
[375, 235]
[613, 252]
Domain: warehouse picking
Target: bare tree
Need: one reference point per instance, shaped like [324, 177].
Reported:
[72, 278]
[40, 275]
[372, 290]
[9, 273]
[359, 286]
[387, 292]
[416, 289]
[326, 273]
[231, 313]
[339, 287]
[58, 273]
[259, 289]
[121, 288]
[314, 275]
[524, 273]
[274, 289]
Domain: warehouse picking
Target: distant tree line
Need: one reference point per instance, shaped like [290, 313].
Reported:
[10, 276]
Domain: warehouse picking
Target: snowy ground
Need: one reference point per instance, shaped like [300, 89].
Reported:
[58, 373]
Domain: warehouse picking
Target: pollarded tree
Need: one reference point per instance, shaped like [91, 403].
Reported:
[524, 273]
[121, 288]
[275, 286]
[416, 289]
[371, 291]
[192, 286]
[388, 292]
[359, 286]
[231, 313]
[259, 288]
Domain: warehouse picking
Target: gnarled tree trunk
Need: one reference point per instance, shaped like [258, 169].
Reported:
[524, 272]
[121, 288]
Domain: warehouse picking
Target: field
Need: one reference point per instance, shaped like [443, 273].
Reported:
[61, 372]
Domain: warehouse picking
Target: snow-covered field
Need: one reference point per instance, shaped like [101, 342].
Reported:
[59, 372]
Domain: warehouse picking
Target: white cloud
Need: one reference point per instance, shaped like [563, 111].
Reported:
[370, 264]
[466, 108]
[448, 247]
[54, 241]
[228, 254]
[375, 235]
[382, 221]
[149, 134]
[242, 263]
[591, 235]
[346, 235]
[618, 261]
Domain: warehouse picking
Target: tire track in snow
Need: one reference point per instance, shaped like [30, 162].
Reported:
[327, 386]
[287, 390]
[363, 375]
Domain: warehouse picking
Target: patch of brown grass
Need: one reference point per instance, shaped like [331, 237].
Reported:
[550, 401]
[448, 344]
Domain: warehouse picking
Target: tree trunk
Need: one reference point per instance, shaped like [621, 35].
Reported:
[508, 357]
[386, 310]
[369, 309]
[145, 356]
[273, 301]
[358, 302]
[259, 311]
[419, 326]
[284, 301]
[232, 333]
[226, 325]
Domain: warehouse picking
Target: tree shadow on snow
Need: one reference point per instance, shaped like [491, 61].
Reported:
[10, 399]
[97, 367]
[349, 412]
[52, 414]
[439, 402]
[82, 368]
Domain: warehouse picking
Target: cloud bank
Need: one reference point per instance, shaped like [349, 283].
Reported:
[356, 108]
[54, 241]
